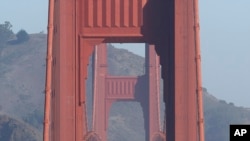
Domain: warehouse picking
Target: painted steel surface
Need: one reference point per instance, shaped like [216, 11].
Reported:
[144, 89]
[48, 84]
[171, 25]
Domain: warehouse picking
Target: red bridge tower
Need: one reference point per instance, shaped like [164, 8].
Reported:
[76, 26]
[144, 89]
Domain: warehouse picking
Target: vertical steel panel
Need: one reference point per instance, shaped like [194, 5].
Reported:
[89, 6]
[117, 13]
[99, 12]
[107, 16]
[141, 5]
[125, 13]
[133, 13]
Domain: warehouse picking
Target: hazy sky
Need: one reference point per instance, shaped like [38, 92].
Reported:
[225, 41]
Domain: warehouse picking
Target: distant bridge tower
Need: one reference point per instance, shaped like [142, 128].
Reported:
[108, 89]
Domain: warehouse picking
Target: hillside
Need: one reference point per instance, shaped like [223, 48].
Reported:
[22, 68]
[219, 115]
[15, 130]
[22, 75]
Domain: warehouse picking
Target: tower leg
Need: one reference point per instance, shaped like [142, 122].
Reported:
[100, 105]
[177, 57]
[150, 98]
[153, 74]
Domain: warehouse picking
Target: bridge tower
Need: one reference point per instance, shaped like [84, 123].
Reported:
[108, 89]
[76, 26]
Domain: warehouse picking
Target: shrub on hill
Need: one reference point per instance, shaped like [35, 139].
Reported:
[22, 36]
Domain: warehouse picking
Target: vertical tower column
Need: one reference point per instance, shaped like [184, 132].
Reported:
[153, 94]
[178, 57]
[70, 59]
[64, 80]
[100, 109]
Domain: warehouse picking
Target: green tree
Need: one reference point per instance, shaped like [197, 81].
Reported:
[5, 33]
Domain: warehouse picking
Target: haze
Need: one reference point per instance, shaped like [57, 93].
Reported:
[225, 34]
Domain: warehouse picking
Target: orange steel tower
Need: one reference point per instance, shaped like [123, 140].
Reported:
[76, 26]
